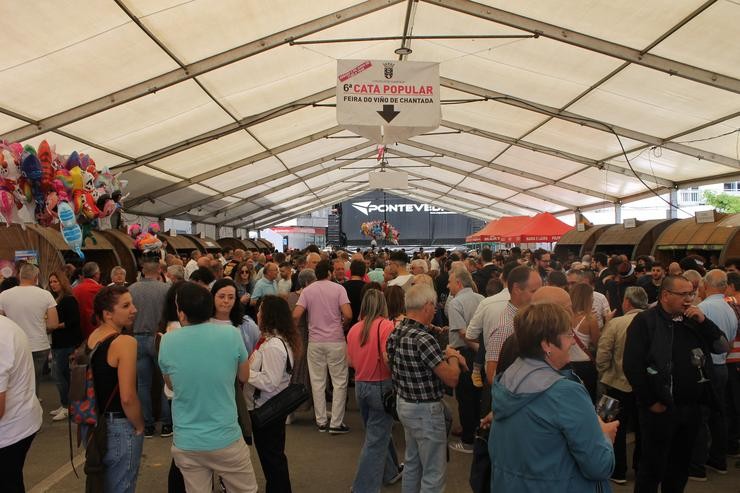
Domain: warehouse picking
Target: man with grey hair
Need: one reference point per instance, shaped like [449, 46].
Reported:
[175, 273]
[34, 310]
[714, 424]
[463, 301]
[420, 369]
[117, 276]
[84, 293]
[192, 264]
[609, 364]
[149, 296]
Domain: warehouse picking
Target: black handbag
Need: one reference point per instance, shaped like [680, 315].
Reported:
[283, 403]
[480, 467]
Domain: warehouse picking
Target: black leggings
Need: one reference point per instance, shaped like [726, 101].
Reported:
[12, 459]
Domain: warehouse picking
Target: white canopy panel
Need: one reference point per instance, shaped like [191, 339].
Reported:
[213, 114]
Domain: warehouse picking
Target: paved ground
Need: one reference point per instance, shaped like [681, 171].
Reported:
[318, 462]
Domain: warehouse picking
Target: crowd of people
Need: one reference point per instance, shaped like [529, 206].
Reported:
[528, 344]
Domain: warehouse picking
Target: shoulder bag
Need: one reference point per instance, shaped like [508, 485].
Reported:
[281, 404]
[389, 396]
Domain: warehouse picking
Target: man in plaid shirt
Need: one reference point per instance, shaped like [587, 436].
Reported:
[523, 282]
[419, 369]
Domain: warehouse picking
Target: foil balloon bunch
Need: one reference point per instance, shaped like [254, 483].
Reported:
[380, 230]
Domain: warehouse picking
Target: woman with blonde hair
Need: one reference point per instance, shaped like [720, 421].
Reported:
[586, 332]
[568, 447]
[366, 342]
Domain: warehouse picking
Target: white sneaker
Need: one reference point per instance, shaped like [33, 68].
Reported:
[61, 416]
[289, 419]
[57, 410]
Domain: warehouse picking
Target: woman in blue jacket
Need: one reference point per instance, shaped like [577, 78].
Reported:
[546, 436]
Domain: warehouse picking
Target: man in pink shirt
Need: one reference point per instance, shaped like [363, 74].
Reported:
[328, 309]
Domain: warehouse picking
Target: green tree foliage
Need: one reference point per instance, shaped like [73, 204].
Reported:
[723, 202]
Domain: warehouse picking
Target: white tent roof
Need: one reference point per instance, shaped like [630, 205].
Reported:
[214, 115]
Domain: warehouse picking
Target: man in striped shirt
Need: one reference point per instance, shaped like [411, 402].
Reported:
[522, 282]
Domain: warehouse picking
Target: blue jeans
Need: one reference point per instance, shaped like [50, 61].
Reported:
[425, 429]
[146, 358]
[378, 462]
[60, 372]
[39, 360]
[122, 459]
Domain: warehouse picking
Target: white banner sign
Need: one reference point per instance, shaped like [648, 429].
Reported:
[388, 100]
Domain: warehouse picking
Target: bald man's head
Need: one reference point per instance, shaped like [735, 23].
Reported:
[551, 294]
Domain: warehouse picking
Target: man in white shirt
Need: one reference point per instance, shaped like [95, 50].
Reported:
[192, 264]
[34, 310]
[20, 411]
[285, 281]
[399, 260]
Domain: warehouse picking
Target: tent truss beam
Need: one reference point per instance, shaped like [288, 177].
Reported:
[232, 166]
[266, 180]
[223, 131]
[511, 171]
[480, 193]
[604, 47]
[195, 69]
[309, 205]
[591, 123]
[490, 181]
[592, 163]
[291, 183]
[441, 200]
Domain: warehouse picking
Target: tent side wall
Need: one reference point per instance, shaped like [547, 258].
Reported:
[123, 244]
[632, 242]
[13, 238]
[579, 243]
[205, 245]
[180, 244]
[234, 243]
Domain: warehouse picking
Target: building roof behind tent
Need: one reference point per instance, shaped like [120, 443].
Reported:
[232, 124]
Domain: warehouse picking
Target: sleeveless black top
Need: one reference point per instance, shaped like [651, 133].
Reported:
[105, 379]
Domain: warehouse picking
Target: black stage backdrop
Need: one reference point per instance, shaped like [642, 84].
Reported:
[417, 223]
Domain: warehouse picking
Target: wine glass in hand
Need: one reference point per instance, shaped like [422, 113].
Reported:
[697, 360]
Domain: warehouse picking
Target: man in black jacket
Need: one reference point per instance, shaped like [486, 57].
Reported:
[486, 272]
[666, 358]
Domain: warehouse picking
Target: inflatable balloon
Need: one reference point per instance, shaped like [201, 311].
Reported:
[70, 229]
[47, 169]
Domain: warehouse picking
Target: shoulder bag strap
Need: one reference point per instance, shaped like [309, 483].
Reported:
[116, 389]
[288, 366]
